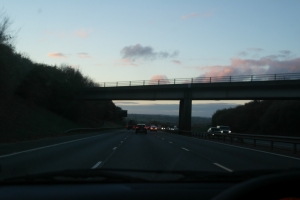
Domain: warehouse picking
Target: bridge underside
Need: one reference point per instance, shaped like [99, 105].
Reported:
[200, 91]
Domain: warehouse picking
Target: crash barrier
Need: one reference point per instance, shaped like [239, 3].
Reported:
[89, 130]
[237, 137]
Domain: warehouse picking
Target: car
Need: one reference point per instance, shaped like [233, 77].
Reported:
[224, 129]
[141, 128]
[153, 128]
[131, 125]
[214, 130]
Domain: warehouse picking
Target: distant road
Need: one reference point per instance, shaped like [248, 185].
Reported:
[123, 149]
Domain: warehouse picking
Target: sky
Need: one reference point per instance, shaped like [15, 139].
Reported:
[130, 40]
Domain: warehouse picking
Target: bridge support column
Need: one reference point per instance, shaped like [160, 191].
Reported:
[185, 114]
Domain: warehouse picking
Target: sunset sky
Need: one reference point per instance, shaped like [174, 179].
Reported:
[142, 40]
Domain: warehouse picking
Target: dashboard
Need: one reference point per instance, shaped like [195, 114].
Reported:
[114, 191]
[275, 186]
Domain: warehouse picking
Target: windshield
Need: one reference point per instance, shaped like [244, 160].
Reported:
[138, 85]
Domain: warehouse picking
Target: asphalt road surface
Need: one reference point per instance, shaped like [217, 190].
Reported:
[123, 149]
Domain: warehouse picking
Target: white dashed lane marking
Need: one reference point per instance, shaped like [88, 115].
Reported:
[96, 165]
[221, 166]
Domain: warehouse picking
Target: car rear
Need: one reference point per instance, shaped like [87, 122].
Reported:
[141, 128]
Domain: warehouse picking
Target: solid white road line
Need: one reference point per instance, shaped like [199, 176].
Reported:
[97, 164]
[221, 166]
[185, 149]
[44, 147]
[114, 148]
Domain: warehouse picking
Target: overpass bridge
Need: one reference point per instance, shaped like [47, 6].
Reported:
[246, 87]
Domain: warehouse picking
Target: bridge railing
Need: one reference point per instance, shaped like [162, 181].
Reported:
[217, 79]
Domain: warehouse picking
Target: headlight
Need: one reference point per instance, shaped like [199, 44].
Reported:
[221, 131]
[229, 131]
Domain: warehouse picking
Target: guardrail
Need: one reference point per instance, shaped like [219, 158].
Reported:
[87, 130]
[217, 79]
[240, 138]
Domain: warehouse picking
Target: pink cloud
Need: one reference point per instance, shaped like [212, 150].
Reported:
[159, 79]
[82, 33]
[266, 65]
[125, 62]
[57, 55]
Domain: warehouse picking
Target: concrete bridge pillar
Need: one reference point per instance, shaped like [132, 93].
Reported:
[185, 114]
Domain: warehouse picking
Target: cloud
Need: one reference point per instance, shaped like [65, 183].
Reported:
[194, 15]
[266, 65]
[125, 62]
[255, 49]
[57, 55]
[137, 51]
[82, 33]
[159, 79]
[126, 103]
[176, 62]
[243, 53]
[83, 55]
[285, 52]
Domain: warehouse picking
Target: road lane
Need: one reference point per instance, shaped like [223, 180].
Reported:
[124, 149]
[10, 148]
[148, 152]
[236, 158]
[74, 155]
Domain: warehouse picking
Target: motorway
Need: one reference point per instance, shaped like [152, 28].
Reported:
[123, 149]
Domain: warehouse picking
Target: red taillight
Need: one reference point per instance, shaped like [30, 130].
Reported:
[145, 126]
[137, 127]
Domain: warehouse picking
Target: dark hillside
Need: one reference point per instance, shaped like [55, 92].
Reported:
[271, 117]
[38, 99]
